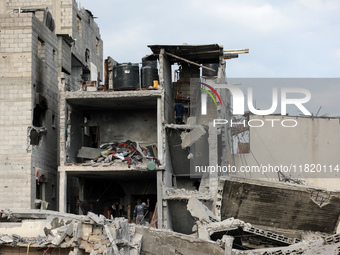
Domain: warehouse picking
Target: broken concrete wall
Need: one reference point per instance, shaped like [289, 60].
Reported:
[300, 154]
[178, 155]
[168, 243]
[280, 205]
[187, 183]
[188, 148]
[181, 219]
[45, 82]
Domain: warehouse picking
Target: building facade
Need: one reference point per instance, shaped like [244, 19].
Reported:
[302, 148]
[39, 58]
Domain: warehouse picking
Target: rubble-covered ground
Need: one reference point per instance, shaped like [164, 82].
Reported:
[43, 232]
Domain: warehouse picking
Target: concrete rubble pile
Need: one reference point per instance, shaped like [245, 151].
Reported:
[187, 194]
[91, 234]
[236, 235]
[128, 152]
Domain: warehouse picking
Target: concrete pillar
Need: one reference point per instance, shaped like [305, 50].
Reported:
[160, 136]
[228, 242]
[213, 158]
[161, 159]
[160, 198]
[62, 191]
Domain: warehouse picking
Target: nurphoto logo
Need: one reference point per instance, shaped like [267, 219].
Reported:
[238, 103]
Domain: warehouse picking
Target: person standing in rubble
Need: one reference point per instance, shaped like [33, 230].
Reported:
[179, 113]
[116, 210]
[140, 211]
[85, 206]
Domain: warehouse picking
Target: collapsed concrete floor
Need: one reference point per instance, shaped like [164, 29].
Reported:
[44, 232]
[202, 224]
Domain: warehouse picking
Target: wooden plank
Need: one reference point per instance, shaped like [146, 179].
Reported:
[188, 61]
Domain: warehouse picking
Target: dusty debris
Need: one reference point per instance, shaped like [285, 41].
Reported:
[200, 212]
[187, 194]
[130, 153]
[320, 197]
[166, 242]
[92, 233]
[208, 227]
[191, 137]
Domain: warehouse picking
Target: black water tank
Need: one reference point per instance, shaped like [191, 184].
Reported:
[206, 72]
[152, 63]
[149, 74]
[126, 76]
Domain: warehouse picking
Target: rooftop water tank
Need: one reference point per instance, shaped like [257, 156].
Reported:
[126, 76]
[206, 72]
[149, 74]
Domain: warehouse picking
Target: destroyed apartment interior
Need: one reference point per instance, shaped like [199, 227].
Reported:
[80, 128]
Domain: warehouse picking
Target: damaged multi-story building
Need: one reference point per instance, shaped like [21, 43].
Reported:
[46, 47]
[120, 141]
[51, 57]
[69, 134]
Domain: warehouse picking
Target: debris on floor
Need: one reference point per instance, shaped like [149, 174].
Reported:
[130, 153]
[240, 238]
[186, 194]
[50, 230]
[43, 232]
